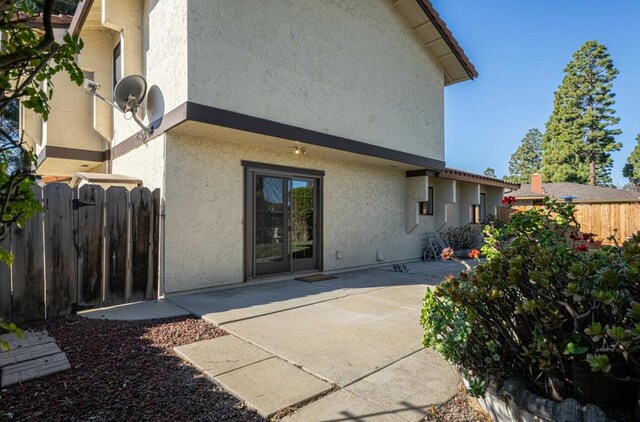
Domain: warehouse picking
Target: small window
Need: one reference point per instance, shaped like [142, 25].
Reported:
[117, 65]
[426, 207]
[483, 207]
[474, 217]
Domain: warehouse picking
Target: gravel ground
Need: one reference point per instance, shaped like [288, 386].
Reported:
[124, 371]
[457, 409]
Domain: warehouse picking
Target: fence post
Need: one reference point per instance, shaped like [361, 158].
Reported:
[5, 280]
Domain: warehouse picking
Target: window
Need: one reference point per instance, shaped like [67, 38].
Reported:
[474, 217]
[117, 65]
[483, 207]
[426, 207]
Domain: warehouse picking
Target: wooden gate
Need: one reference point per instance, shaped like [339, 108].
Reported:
[88, 248]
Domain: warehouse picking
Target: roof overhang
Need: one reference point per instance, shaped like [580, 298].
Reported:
[438, 39]
[104, 179]
[80, 16]
[61, 161]
[464, 176]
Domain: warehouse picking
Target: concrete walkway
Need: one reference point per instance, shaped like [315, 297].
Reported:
[336, 350]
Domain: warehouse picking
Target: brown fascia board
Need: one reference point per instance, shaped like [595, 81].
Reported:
[50, 151]
[448, 37]
[79, 18]
[201, 113]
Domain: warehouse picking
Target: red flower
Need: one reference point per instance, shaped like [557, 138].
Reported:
[447, 253]
[508, 200]
[582, 248]
[474, 254]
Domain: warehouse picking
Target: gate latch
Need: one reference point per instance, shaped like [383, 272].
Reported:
[77, 204]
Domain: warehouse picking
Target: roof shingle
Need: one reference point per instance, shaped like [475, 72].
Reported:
[580, 193]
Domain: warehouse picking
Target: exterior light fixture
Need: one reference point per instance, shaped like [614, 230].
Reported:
[300, 151]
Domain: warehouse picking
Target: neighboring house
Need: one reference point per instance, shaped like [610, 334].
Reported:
[599, 209]
[288, 136]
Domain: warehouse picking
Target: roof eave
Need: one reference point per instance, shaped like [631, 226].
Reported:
[448, 38]
[80, 17]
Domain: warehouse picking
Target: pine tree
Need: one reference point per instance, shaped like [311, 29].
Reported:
[489, 172]
[631, 170]
[527, 158]
[579, 135]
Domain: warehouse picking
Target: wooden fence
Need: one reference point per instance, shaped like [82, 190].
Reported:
[603, 219]
[88, 248]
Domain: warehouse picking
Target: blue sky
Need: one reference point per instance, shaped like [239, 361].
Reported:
[520, 49]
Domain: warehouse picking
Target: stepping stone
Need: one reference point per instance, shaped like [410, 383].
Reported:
[33, 356]
[343, 405]
[222, 354]
[271, 385]
[35, 368]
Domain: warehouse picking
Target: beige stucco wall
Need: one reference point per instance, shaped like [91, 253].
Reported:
[468, 194]
[69, 124]
[158, 52]
[494, 198]
[364, 211]
[351, 68]
[146, 163]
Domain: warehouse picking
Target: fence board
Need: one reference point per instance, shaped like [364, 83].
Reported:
[140, 242]
[28, 268]
[116, 239]
[5, 281]
[60, 252]
[90, 242]
[152, 292]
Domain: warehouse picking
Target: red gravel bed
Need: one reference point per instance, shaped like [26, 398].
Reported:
[457, 409]
[124, 371]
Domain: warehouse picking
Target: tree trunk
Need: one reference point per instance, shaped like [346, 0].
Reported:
[592, 172]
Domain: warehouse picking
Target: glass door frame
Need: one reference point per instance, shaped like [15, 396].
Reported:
[251, 169]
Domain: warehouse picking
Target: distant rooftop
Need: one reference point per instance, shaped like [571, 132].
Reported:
[462, 175]
[580, 193]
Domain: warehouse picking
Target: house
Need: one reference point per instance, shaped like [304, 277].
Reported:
[599, 209]
[288, 137]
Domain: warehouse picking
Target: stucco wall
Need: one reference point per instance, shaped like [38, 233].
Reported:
[146, 163]
[468, 194]
[364, 211]
[351, 68]
[494, 198]
[163, 64]
[70, 125]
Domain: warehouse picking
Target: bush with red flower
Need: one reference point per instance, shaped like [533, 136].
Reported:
[540, 308]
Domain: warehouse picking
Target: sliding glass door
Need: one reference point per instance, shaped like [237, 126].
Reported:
[283, 229]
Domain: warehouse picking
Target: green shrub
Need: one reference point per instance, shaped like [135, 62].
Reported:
[539, 302]
[466, 237]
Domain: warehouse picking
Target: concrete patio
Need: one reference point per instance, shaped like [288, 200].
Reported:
[335, 350]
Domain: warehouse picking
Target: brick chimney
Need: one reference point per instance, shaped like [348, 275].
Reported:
[536, 183]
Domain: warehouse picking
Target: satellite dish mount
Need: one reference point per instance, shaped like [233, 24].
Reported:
[127, 97]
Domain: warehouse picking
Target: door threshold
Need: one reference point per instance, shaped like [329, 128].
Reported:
[279, 277]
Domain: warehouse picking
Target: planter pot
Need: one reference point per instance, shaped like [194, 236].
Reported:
[513, 402]
[462, 253]
[596, 387]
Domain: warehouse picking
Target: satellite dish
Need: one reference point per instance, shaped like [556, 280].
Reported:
[127, 97]
[129, 93]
